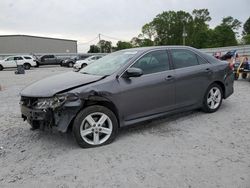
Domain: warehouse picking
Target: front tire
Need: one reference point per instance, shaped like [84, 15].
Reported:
[1, 67]
[26, 66]
[213, 98]
[95, 126]
[83, 65]
[71, 64]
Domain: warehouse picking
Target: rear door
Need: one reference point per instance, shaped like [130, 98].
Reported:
[192, 76]
[19, 60]
[151, 93]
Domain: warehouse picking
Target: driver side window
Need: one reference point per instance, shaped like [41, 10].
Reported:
[10, 59]
[152, 62]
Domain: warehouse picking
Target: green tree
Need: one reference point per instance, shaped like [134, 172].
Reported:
[105, 46]
[148, 31]
[200, 36]
[123, 45]
[234, 24]
[169, 27]
[94, 49]
[246, 27]
[223, 35]
[246, 39]
[141, 42]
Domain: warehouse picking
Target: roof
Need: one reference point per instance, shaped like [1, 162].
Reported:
[160, 47]
[37, 37]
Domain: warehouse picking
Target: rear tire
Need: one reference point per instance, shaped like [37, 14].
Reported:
[212, 99]
[26, 66]
[71, 64]
[95, 126]
[244, 75]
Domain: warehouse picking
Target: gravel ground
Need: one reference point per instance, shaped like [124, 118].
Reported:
[191, 149]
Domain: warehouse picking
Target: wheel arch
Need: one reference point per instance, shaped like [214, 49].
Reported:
[103, 102]
[221, 84]
[97, 100]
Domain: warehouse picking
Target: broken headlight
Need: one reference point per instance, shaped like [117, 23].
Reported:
[54, 102]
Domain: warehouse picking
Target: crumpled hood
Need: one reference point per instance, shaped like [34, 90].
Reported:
[50, 86]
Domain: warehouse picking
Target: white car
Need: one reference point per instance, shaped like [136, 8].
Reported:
[12, 61]
[82, 63]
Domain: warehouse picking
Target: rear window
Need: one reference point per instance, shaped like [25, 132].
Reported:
[27, 57]
[18, 58]
[183, 58]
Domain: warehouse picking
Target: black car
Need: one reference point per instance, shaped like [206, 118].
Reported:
[127, 87]
[69, 62]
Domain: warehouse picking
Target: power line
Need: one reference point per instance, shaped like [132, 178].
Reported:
[84, 43]
[114, 38]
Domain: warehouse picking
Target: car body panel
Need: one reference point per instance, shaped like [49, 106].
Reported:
[138, 98]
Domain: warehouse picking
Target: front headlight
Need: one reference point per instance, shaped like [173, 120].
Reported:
[56, 101]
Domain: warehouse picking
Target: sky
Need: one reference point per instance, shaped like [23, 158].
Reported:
[83, 20]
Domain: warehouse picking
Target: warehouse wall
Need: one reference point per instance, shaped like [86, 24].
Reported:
[30, 44]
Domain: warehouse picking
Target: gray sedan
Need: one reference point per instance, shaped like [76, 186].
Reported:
[124, 88]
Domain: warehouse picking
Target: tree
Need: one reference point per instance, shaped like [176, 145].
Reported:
[148, 31]
[169, 27]
[105, 46]
[200, 36]
[94, 49]
[123, 45]
[201, 16]
[141, 42]
[246, 27]
[246, 39]
[234, 24]
[223, 35]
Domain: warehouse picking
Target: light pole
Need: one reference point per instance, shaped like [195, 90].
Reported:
[184, 35]
[99, 36]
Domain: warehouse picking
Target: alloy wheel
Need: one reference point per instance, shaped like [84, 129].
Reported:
[214, 98]
[96, 128]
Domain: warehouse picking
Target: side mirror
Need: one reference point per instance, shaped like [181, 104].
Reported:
[133, 72]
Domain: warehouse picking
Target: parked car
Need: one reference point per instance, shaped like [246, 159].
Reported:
[83, 63]
[69, 62]
[49, 60]
[127, 87]
[12, 61]
[229, 55]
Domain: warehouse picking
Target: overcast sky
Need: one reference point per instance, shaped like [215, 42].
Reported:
[82, 20]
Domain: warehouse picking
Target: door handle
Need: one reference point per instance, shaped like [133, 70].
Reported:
[169, 77]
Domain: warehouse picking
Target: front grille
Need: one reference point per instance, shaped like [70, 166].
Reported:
[28, 101]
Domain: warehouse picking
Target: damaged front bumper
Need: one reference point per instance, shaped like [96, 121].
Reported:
[58, 115]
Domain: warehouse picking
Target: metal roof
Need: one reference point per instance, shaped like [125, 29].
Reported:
[37, 37]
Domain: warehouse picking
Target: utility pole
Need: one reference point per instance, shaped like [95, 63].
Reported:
[184, 35]
[99, 36]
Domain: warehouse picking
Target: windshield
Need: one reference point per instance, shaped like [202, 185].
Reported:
[109, 64]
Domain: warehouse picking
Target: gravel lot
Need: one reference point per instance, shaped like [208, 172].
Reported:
[191, 149]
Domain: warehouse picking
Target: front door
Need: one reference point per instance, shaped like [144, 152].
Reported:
[151, 93]
[9, 62]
